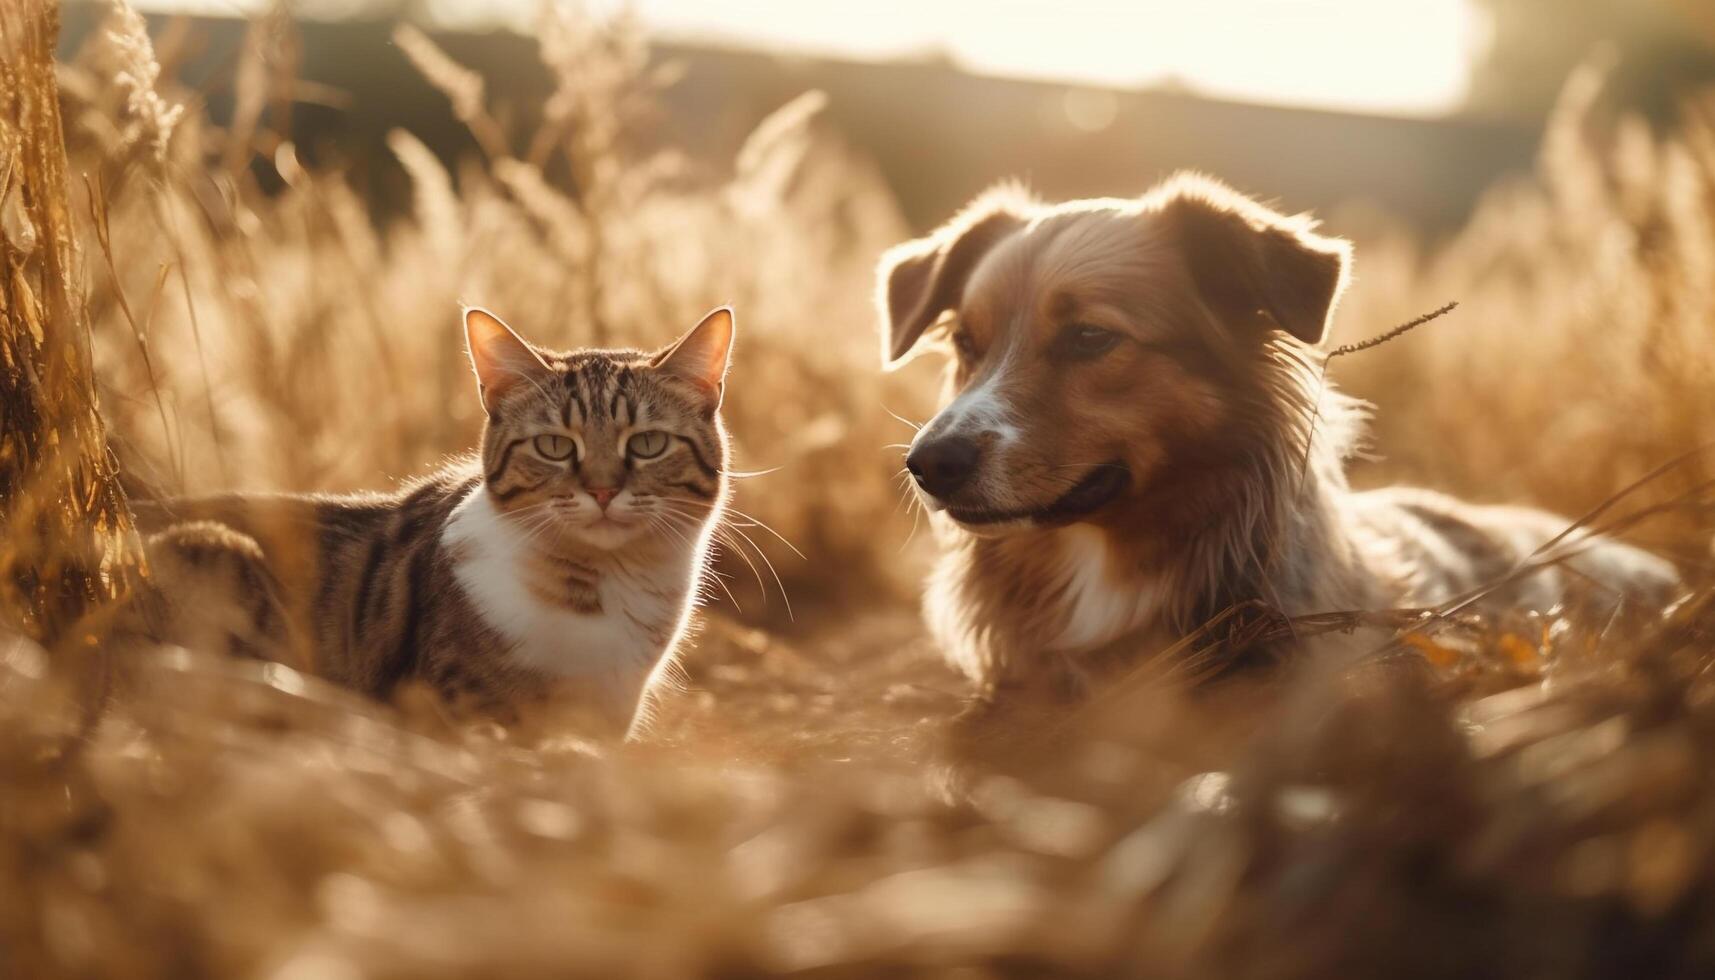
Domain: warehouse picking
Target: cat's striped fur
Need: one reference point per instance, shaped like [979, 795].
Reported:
[569, 549]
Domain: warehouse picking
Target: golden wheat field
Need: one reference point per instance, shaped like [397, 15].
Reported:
[1496, 796]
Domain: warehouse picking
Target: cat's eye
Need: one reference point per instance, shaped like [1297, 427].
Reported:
[556, 448]
[647, 445]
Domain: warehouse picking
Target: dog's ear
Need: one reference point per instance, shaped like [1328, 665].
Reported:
[1251, 263]
[919, 280]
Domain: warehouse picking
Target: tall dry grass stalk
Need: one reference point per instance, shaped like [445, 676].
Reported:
[1580, 355]
[68, 554]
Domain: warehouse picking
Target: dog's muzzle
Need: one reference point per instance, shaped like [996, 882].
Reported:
[944, 464]
[1095, 490]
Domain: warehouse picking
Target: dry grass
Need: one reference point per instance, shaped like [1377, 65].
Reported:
[68, 556]
[1501, 796]
[1580, 356]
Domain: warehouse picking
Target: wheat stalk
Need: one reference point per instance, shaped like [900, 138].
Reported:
[1398, 331]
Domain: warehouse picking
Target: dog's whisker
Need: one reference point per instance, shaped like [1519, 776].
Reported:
[914, 425]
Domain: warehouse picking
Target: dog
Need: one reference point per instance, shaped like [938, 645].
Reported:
[1135, 435]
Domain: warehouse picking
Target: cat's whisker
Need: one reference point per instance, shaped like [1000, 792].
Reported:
[756, 522]
[660, 523]
[778, 584]
[725, 531]
[721, 582]
[530, 520]
[726, 538]
[535, 519]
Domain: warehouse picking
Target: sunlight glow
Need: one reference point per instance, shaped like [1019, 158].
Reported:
[1406, 56]
[1392, 56]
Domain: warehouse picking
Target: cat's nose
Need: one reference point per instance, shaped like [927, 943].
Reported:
[942, 465]
[603, 495]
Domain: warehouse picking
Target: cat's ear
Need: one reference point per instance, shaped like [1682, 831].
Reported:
[501, 358]
[702, 355]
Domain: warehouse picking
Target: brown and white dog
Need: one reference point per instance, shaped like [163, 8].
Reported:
[1131, 439]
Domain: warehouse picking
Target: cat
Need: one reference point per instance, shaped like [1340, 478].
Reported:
[564, 556]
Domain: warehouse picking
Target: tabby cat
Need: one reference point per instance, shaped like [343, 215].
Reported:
[564, 556]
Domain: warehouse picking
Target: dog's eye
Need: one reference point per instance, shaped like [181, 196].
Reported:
[1080, 341]
[554, 447]
[964, 345]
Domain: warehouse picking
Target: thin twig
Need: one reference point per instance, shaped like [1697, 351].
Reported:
[168, 218]
[1341, 351]
[104, 240]
[1381, 339]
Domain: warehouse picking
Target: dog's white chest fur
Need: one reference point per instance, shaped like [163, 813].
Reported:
[1098, 603]
[613, 650]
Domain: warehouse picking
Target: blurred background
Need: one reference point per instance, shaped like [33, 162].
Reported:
[1413, 107]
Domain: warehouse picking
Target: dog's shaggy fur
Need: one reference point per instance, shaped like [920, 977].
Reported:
[1136, 435]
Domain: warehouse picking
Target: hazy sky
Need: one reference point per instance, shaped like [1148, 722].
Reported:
[1407, 56]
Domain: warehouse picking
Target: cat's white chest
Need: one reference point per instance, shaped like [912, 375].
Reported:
[612, 650]
[1097, 603]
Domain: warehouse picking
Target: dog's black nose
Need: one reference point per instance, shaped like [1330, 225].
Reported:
[941, 466]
